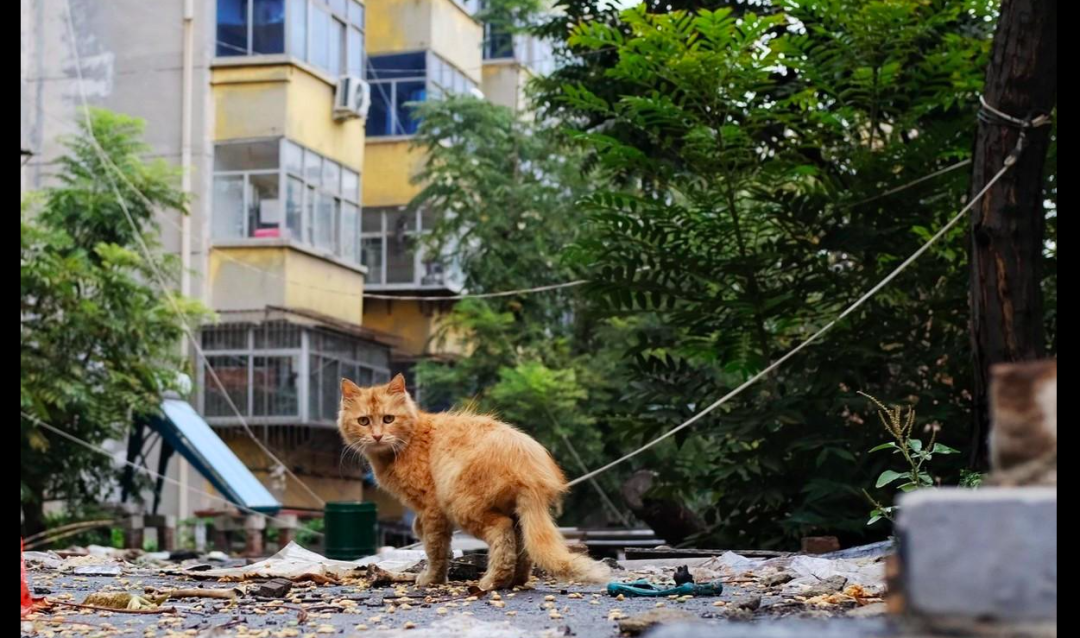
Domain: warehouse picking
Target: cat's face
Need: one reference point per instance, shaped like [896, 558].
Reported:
[378, 419]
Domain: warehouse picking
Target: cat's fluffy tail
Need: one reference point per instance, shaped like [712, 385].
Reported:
[546, 545]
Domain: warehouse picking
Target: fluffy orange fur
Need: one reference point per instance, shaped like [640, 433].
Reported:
[465, 469]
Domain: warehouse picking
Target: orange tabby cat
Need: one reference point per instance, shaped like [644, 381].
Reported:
[490, 479]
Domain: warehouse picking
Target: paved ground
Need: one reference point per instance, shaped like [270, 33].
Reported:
[354, 610]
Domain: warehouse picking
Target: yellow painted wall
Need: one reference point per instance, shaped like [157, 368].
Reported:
[398, 25]
[403, 319]
[272, 101]
[249, 101]
[416, 323]
[416, 25]
[391, 165]
[339, 292]
[503, 84]
[457, 38]
[310, 123]
[236, 287]
[295, 279]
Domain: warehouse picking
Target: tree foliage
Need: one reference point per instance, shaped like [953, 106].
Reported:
[99, 344]
[763, 134]
[737, 157]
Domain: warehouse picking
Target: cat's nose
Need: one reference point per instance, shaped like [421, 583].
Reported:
[377, 437]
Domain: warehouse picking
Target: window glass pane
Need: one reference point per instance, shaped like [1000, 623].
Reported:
[329, 389]
[335, 44]
[332, 176]
[356, 13]
[407, 92]
[246, 157]
[363, 377]
[232, 371]
[350, 185]
[294, 158]
[350, 232]
[225, 337]
[268, 30]
[397, 65]
[232, 27]
[399, 222]
[371, 354]
[324, 223]
[320, 36]
[432, 272]
[274, 386]
[379, 119]
[371, 256]
[355, 52]
[314, 375]
[298, 28]
[276, 334]
[337, 6]
[293, 210]
[372, 220]
[400, 267]
[265, 206]
[312, 168]
[228, 213]
[427, 219]
[310, 205]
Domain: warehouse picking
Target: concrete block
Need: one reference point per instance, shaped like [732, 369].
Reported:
[986, 554]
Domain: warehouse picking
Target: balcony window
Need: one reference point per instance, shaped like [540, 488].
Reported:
[390, 250]
[399, 79]
[326, 34]
[272, 371]
[498, 42]
[250, 27]
[278, 189]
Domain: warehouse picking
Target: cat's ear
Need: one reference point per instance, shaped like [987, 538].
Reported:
[349, 389]
[396, 385]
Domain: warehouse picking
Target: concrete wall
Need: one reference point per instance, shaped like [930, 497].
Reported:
[457, 37]
[415, 25]
[417, 323]
[261, 100]
[504, 83]
[391, 166]
[137, 71]
[279, 275]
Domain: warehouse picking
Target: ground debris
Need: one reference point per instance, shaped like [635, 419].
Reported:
[640, 623]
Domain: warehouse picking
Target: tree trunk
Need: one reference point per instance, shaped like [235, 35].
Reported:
[1008, 224]
[671, 521]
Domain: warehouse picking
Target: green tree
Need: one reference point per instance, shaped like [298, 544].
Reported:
[750, 142]
[99, 345]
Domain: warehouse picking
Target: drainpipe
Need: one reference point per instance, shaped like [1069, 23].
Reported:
[185, 220]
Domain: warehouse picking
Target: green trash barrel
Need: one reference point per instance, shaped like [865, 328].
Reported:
[350, 530]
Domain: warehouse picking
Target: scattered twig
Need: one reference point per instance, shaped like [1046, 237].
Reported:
[301, 616]
[228, 594]
[160, 610]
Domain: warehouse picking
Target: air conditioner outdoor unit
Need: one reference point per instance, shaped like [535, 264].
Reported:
[352, 98]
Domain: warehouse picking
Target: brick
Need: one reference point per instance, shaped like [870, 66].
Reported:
[987, 554]
[820, 544]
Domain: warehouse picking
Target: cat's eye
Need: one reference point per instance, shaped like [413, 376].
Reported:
[389, 418]
[364, 421]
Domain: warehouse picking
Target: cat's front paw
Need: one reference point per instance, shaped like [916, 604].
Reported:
[428, 578]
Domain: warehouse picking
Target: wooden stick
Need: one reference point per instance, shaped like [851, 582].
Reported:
[162, 610]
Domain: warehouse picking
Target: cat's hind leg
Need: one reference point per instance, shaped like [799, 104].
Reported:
[497, 530]
[523, 567]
